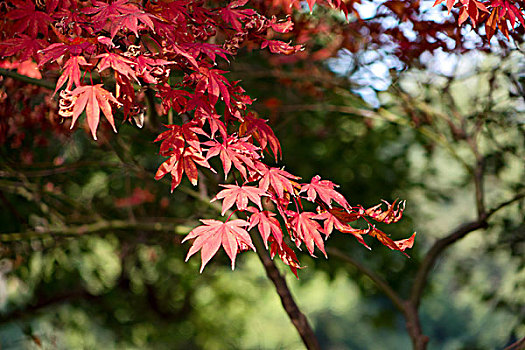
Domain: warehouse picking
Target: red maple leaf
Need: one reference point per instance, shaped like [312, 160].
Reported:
[230, 15]
[357, 233]
[280, 181]
[286, 254]
[308, 230]
[400, 245]
[93, 98]
[118, 63]
[130, 21]
[277, 46]
[104, 11]
[236, 151]
[282, 26]
[183, 162]
[173, 98]
[325, 190]
[173, 140]
[239, 195]
[267, 225]
[28, 18]
[71, 72]
[212, 81]
[407, 243]
[210, 50]
[339, 221]
[210, 236]
[56, 50]
[261, 132]
[24, 47]
[146, 65]
[391, 215]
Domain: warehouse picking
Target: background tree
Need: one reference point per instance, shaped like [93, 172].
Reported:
[53, 190]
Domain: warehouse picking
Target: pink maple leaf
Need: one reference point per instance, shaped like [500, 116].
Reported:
[239, 195]
[232, 235]
[280, 181]
[325, 190]
[118, 63]
[267, 225]
[71, 72]
[93, 98]
[308, 230]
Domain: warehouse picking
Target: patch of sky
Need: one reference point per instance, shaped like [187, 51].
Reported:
[369, 71]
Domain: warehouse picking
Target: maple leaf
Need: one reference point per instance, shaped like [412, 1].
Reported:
[118, 63]
[267, 225]
[357, 233]
[325, 190]
[212, 81]
[28, 18]
[93, 98]
[239, 195]
[279, 180]
[145, 66]
[71, 72]
[262, 133]
[282, 26]
[388, 242]
[346, 216]
[233, 16]
[173, 98]
[236, 151]
[24, 47]
[210, 50]
[174, 138]
[286, 254]
[407, 243]
[338, 219]
[308, 230]
[130, 21]
[180, 162]
[214, 121]
[75, 48]
[210, 236]
[277, 46]
[391, 215]
[104, 11]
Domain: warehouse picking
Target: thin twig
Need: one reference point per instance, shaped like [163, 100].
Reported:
[380, 283]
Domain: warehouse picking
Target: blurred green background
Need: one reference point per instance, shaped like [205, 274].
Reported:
[124, 284]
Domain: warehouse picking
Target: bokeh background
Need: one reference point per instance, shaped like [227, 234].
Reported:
[91, 255]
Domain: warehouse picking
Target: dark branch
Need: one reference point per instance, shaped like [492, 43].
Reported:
[298, 319]
[24, 78]
[519, 345]
[434, 252]
[94, 228]
[440, 245]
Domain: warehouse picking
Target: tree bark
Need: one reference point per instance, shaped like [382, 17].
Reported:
[298, 319]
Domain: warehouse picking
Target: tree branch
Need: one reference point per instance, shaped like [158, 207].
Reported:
[434, 252]
[97, 227]
[24, 78]
[520, 344]
[443, 243]
[380, 283]
[298, 319]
